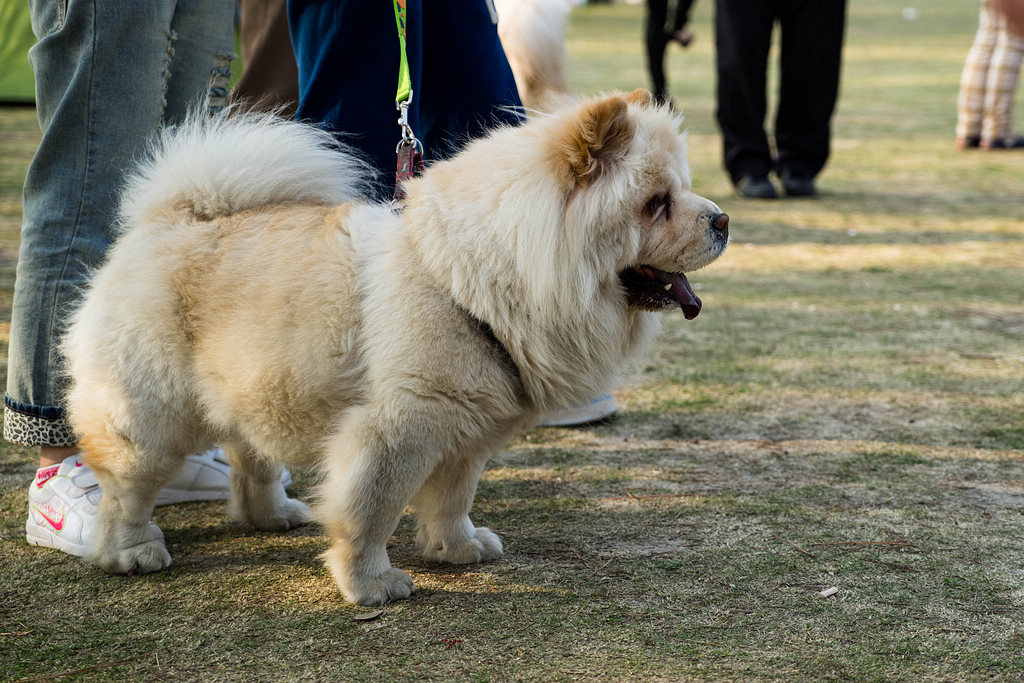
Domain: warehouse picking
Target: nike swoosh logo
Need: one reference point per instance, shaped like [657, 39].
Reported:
[57, 524]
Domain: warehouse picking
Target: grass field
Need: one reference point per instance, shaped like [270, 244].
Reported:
[846, 412]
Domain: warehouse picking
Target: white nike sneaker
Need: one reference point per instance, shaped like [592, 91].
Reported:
[62, 507]
[204, 476]
[62, 499]
[597, 410]
[62, 504]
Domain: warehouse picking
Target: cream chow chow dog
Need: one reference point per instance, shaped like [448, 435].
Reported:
[254, 301]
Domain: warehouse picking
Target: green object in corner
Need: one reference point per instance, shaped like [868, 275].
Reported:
[16, 80]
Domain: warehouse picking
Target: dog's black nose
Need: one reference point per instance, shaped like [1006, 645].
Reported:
[720, 224]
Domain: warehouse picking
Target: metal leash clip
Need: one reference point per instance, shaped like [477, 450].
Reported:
[409, 151]
[408, 137]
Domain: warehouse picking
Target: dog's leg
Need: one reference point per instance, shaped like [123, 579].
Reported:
[446, 533]
[257, 495]
[374, 466]
[126, 541]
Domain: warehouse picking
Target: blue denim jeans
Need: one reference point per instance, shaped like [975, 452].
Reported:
[109, 74]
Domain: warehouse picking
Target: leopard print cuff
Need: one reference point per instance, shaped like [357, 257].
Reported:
[29, 430]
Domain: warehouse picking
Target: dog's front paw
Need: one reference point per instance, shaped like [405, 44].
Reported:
[481, 546]
[490, 544]
[139, 553]
[367, 578]
[394, 584]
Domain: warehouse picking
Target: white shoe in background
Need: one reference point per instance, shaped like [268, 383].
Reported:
[204, 476]
[598, 409]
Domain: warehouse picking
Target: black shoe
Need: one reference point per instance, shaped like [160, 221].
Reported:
[1014, 142]
[797, 185]
[969, 142]
[756, 187]
[662, 97]
[682, 36]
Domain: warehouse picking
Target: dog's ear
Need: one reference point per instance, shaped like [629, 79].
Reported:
[640, 97]
[600, 137]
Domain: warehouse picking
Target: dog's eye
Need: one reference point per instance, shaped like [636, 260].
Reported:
[658, 209]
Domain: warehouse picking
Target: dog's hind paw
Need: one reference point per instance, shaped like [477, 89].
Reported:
[284, 514]
[142, 558]
[291, 514]
[147, 557]
[482, 546]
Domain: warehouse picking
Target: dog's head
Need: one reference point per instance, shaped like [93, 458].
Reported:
[624, 169]
[589, 205]
[563, 233]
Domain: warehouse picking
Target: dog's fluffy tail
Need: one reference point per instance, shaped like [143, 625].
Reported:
[216, 167]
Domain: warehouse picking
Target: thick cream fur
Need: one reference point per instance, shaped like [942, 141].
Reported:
[252, 302]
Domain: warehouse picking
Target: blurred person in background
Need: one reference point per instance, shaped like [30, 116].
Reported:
[811, 45]
[988, 83]
[658, 33]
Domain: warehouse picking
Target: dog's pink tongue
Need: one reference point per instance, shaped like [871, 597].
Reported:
[683, 293]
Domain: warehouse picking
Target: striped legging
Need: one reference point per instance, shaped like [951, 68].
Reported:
[989, 79]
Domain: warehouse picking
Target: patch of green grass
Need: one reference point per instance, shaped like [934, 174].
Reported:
[1011, 436]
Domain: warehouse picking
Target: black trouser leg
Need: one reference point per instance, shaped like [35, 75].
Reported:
[743, 31]
[812, 44]
[656, 41]
[681, 17]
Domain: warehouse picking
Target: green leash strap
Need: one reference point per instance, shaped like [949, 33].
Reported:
[409, 150]
[404, 83]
